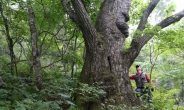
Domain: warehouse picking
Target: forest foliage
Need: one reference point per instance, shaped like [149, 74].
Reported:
[62, 50]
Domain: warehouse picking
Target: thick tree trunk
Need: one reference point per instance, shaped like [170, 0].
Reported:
[103, 60]
[106, 61]
[35, 50]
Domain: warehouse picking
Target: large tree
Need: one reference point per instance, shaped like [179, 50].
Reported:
[106, 59]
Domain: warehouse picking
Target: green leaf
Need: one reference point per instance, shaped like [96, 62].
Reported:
[55, 106]
[70, 103]
[65, 96]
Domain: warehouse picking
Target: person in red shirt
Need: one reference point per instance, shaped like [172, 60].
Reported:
[141, 79]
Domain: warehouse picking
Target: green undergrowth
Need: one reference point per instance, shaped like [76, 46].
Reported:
[19, 93]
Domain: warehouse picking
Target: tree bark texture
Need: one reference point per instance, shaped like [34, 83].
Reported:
[105, 59]
[9, 41]
[35, 50]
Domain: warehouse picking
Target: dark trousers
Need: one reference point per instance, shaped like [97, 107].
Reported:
[142, 91]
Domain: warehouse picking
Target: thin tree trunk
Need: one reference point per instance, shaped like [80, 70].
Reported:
[10, 42]
[74, 52]
[35, 50]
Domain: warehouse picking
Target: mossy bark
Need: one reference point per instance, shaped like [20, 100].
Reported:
[105, 62]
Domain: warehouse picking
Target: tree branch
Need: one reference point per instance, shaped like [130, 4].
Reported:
[137, 44]
[1, 80]
[52, 63]
[69, 10]
[3, 66]
[164, 23]
[146, 14]
[85, 22]
[172, 19]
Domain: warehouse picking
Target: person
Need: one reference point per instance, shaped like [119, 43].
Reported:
[141, 79]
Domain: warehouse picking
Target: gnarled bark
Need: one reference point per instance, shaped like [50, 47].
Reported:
[105, 59]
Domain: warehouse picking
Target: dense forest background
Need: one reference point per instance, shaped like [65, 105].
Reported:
[42, 54]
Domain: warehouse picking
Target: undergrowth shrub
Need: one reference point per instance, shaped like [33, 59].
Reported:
[19, 93]
[165, 99]
[89, 93]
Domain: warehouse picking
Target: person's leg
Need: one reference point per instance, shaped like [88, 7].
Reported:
[149, 96]
[139, 92]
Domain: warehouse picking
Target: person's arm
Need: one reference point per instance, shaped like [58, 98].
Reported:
[149, 81]
[147, 78]
[132, 76]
